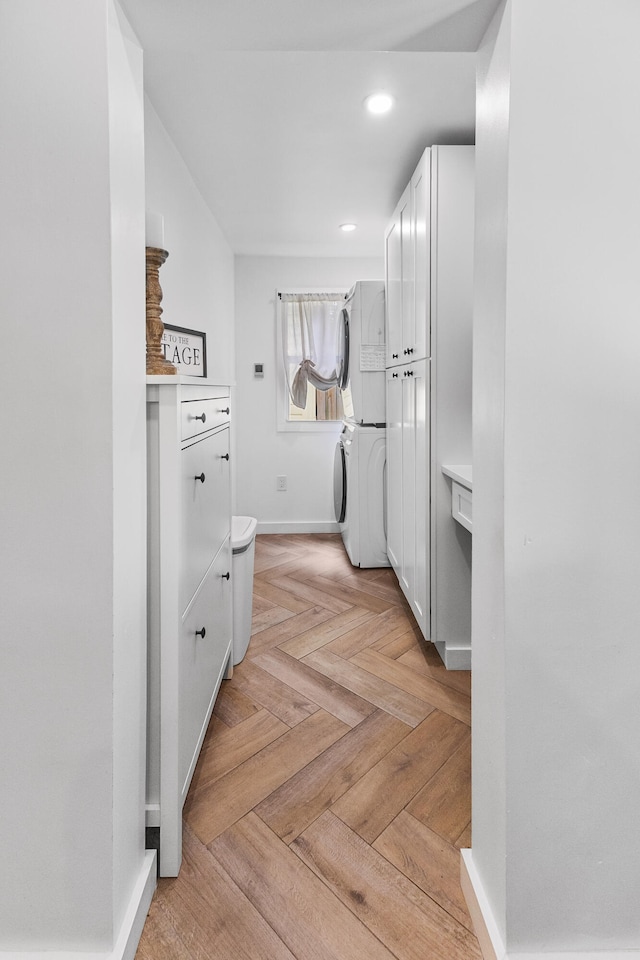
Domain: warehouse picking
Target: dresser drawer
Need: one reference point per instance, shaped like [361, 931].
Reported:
[462, 505]
[204, 644]
[206, 507]
[200, 415]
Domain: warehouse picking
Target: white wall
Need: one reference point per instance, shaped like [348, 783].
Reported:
[263, 453]
[489, 331]
[555, 643]
[126, 144]
[73, 477]
[197, 278]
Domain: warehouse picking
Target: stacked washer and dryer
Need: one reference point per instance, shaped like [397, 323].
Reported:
[360, 457]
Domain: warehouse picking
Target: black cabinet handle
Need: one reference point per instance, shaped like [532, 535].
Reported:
[202, 417]
[224, 456]
[201, 478]
[394, 356]
[225, 576]
[410, 350]
[226, 410]
[394, 374]
[201, 633]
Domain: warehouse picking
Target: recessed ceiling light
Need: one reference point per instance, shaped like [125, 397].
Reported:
[348, 227]
[379, 103]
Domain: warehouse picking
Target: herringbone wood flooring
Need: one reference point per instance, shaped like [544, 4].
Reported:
[332, 793]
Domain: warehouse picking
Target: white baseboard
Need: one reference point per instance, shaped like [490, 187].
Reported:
[308, 526]
[130, 931]
[489, 937]
[454, 658]
[484, 923]
[588, 955]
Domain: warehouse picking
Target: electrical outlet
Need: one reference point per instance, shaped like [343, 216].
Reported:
[281, 483]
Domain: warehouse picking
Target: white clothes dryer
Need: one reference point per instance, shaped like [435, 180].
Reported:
[359, 493]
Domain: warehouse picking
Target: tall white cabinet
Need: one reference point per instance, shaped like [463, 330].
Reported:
[429, 283]
[190, 594]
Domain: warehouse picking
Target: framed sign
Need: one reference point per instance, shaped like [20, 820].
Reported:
[185, 349]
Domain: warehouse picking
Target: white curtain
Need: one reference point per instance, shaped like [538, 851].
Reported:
[312, 342]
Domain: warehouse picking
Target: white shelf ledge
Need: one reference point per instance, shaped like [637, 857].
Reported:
[462, 473]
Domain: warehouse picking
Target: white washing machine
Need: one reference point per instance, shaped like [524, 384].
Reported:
[359, 493]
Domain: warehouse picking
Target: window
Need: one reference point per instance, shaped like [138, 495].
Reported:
[313, 352]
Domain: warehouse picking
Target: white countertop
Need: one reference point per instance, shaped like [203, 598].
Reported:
[460, 472]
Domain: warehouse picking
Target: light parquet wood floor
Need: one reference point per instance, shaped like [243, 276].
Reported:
[332, 794]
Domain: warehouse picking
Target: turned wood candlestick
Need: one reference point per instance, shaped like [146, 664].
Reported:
[156, 363]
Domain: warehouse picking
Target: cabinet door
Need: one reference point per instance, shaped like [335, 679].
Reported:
[206, 493]
[407, 571]
[420, 211]
[198, 652]
[420, 596]
[394, 468]
[408, 516]
[205, 636]
[396, 239]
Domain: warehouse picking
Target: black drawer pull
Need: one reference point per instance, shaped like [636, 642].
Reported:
[225, 576]
[201, 478]
[201, 633]
[224, 456]
[202, 417]
[394, 356]
[226, 410]
[394, 374]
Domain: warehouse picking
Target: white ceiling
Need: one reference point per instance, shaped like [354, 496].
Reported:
[264, 100]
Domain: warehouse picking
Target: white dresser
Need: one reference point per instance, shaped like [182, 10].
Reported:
[190, 594]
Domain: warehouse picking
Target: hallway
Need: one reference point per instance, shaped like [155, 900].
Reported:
[332, 794]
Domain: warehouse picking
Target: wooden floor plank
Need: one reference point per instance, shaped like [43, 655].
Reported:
[463, 842]
[233, 705]
[211, 916]
[294, 805]
[291, 627]
[356, 594]
[228, 747]
[424, 658]
[370, 805]
[444, 803]
[283, 598]
[395, 646]
[318, 636]
[302, 567]
[428, 860]
[364, 684]
[269, 617]
[304, 591]
[332, 696]
[160, 939]
[410, 924]
[390, 623]
[210, 812]
[275, 696]
[378, 588]
[431, 691]
[311, 921]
